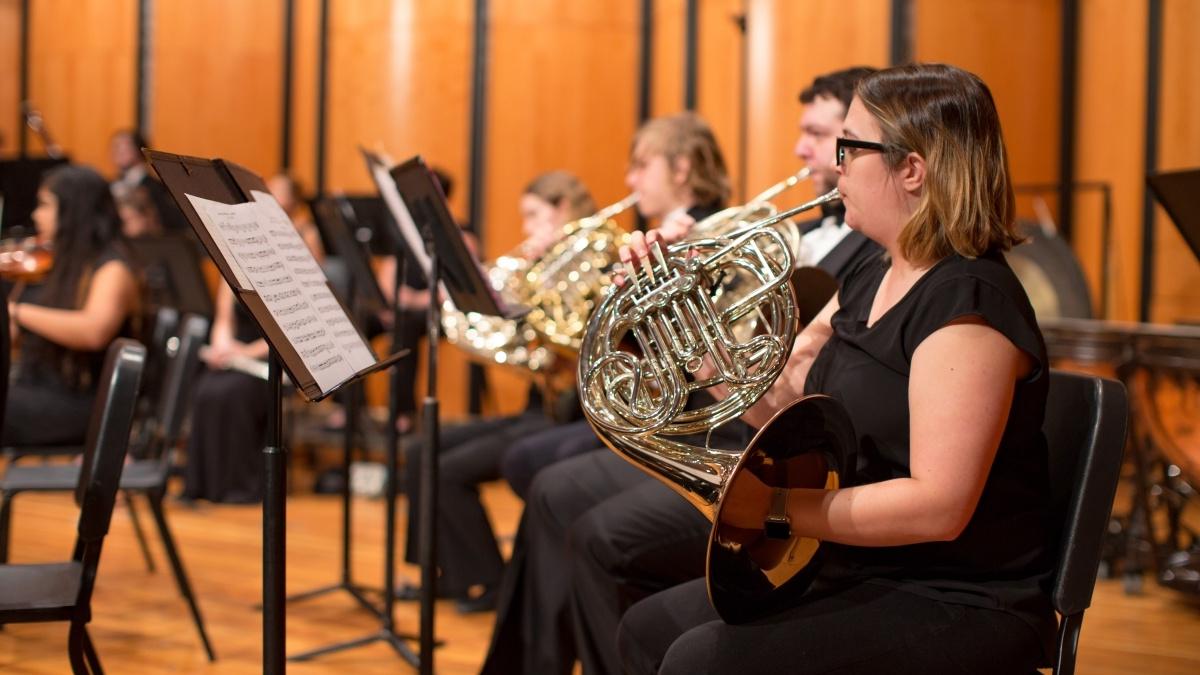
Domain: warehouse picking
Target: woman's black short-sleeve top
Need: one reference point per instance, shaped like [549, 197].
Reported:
[1002, 559]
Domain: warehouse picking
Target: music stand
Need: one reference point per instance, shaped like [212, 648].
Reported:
[262, 257]
[339, 226]
[19, 182]
[420, 210]
[173, 276]
[1177, 191]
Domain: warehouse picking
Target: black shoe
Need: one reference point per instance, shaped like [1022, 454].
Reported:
[409, 592]
[484, 602]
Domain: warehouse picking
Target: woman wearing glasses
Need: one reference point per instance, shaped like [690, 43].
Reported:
[936, 555]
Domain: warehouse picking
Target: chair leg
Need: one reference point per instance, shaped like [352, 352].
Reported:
[89, 651]
[5, 524]
[137, 530]
[1068, 643]
[185, 588]
[82, 652]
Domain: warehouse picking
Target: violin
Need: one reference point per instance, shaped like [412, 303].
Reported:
[25, 260]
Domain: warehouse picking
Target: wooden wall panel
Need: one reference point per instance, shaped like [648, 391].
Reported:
[1014, 45]
[562, 94]
[790, 43]
[305, 27]
[1110, 133]
[81, 74]
[217, 80]
[667, 66]
[10, 73]
[400, 81]
[720, 63]
[1177, 274]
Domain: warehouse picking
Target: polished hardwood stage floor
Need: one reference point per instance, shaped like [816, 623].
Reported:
[141, 624]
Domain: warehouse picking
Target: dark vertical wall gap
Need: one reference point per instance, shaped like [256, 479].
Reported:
[1153, 88]
[743, 104]
[691, 46]
[1069, 79]
[322, 85]
[645, 75]
[141, 81]
[23, 79]
[477, 165]
[285, 134]
[901, 51]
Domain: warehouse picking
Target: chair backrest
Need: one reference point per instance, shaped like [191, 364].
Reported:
[177, 385]
[108, 439]
[158, 356]
[1085, 427]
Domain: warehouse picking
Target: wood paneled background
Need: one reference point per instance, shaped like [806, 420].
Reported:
[562, 92]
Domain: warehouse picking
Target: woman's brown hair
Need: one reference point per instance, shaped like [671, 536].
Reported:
[560, 187]
[686, 135]
[947, 116]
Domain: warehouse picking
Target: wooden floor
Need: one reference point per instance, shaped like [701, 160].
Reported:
[141, 624]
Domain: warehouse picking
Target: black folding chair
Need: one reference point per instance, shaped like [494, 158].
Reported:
[63, 591]
[143, 476]
[159, 354]
[1085, 427]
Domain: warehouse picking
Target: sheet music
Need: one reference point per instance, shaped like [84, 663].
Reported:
[305, 268]
[395, 203]
[269, 257]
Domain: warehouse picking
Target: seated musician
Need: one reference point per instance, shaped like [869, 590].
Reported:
[626, 536]
[936, 556]
[468, 556]
[678, 171]
[229, 404]
[63, 327]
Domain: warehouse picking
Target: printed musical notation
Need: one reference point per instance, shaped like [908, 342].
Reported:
[268, 256]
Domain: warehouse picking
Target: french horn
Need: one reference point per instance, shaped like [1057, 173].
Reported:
[658, 341]
[563, 286]
[495, 339]
[758, 208]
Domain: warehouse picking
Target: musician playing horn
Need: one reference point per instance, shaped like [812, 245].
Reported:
[642, 537]
[937, 553]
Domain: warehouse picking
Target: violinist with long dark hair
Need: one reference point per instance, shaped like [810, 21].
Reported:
[63, 327]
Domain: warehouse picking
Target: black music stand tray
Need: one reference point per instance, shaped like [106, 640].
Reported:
[173, 275]
[1177, 191]
[231, 184]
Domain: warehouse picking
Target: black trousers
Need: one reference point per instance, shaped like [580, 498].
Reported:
[471, 452]
[533, 632]
[867, 628]
[536, 452]
[642, 539]
[597, 534]
[229, 430]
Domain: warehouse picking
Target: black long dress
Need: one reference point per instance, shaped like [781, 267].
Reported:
[229, 430]
[52, 387]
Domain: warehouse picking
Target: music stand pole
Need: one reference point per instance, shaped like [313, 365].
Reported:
[387, 629]
[353, 407]
[274, 530]
[429, 465]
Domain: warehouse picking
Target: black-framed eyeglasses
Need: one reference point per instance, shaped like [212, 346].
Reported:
[843, 143]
